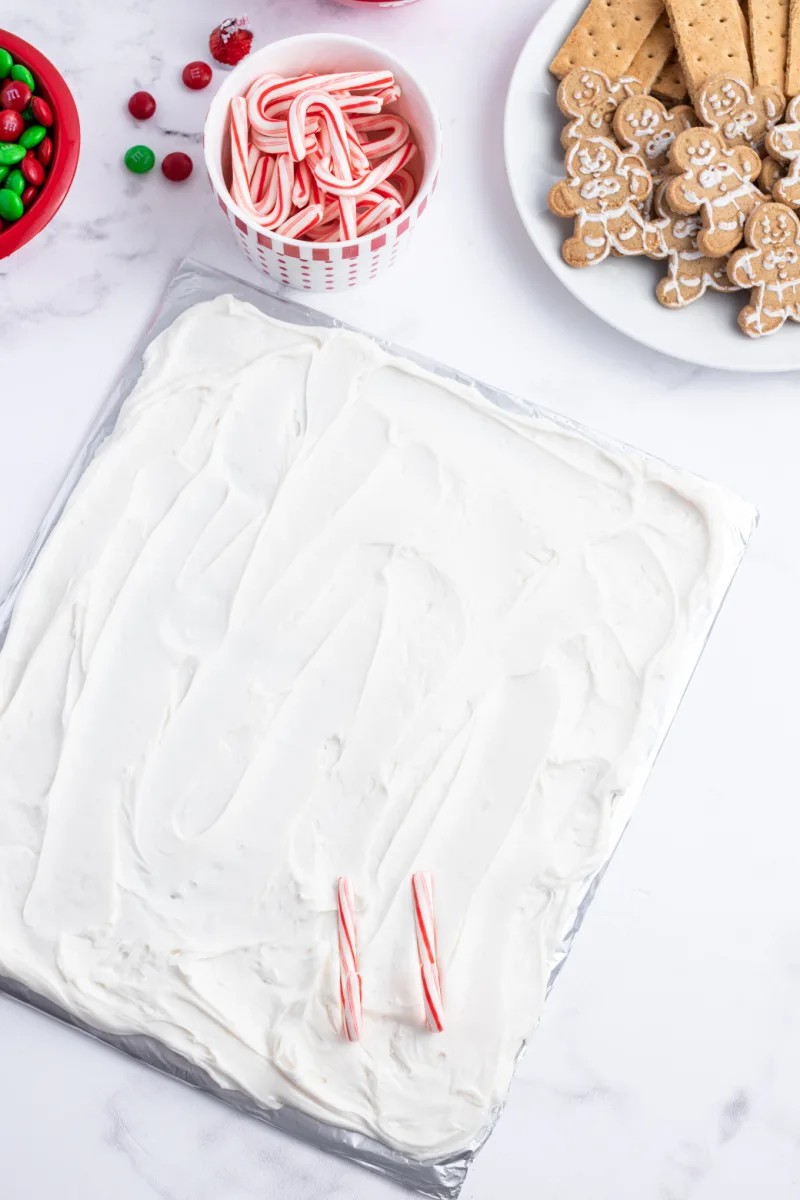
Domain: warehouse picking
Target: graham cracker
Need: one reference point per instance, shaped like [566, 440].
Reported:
[654, 54]
[608, 36]
[769, 29]
[711, 39]
[670, 84]
[792, 80]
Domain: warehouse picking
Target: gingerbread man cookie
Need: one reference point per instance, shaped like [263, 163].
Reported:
[716, 181]
[645, 126]
[741, 115]
[783, 144]
[603, 192]
[690, 273]
[769, 175]
[770, 267]
[591, 99]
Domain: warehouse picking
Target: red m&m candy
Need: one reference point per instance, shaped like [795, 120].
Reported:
[44, 152]
[32, 169]
[177, 166]
[197, 75]
[42, 112]
[29, 195]
[141, 106]
[11, 125]
[15, 94]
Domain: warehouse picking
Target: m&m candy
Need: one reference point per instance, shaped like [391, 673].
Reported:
[33, 136]
[15, 94]
[15, 181]
[41, 111]
[140, 160]
[29, 195]
[32, 170]
[197, 75]
[177, 166]
[141, 106]
[23, 75]
[6, 63]
[11, 206]
[11, 125]
[44, 152]
[11, 154]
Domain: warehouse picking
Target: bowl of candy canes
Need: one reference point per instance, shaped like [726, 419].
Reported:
[323, 151]
[39, 142]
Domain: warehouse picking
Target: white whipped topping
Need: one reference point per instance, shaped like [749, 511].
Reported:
[314, 612]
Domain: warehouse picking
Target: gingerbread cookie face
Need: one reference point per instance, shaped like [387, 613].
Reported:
[690, 273]
[716, 181]
[603, 192]
[741, 115]
[645, 126]
[783, 144]
[590, 98]
[770, 267]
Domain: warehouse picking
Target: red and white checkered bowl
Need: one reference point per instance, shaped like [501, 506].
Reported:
[315, 266]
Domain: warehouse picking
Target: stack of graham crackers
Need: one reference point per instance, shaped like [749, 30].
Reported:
[687, 182]
[674, 46]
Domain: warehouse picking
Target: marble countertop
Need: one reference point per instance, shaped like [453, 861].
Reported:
[665, 1067]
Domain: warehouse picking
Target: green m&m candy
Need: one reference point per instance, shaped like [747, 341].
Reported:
[10, 205]
[6, 63]
[33, 136]
[16, 182]
[139, 159]
[3, 172]
[10, 154]
[23, 75]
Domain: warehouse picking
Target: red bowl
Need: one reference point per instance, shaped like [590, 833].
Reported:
[66, 136]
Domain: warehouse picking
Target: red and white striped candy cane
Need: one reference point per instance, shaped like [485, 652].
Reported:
[422, 885]
[319, 102]
[350, 986]
[301, 192]
[395, 129]
[362, 105]
[348, 219]
[240, 170]
[301, 222]
[375, 210]
[367, 183]
[261, 177]
[277, 204]
[406, 185]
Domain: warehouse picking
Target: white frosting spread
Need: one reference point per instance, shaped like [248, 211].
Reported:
[312, 612]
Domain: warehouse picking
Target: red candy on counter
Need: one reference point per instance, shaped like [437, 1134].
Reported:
[197, 75]
[11, 125]
[42, 112]
[44, 152]
[15, 94]
[177, 166]
[141, 106]
[231, 41]
[32, 169]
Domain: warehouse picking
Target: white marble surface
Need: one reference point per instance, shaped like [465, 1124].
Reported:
[666, 1065]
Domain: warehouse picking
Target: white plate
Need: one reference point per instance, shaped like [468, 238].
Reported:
[620, 291]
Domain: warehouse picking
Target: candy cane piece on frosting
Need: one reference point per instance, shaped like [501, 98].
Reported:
[422, 885]
[350, 986]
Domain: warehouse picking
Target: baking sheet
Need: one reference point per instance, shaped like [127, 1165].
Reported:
[440, 1179]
